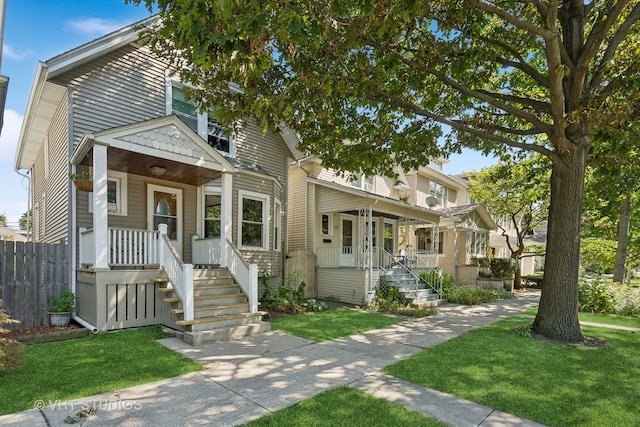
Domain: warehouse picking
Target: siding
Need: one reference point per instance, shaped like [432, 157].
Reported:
[125, 86]
[53, 185]
[267, 150]
[297, 208]
[344, 284]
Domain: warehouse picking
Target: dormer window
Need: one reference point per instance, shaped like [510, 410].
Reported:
[204, 124]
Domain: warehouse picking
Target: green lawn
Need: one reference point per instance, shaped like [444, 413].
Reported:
[327, 325]
[550, 383]
[86, 366]
[610, 319]
[345, 407]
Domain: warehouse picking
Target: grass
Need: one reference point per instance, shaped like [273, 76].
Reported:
[609, 319]
[550, 383]
[86, 366]
[327, 325]
[345, 407]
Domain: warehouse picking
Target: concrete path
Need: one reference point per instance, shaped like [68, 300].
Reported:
[247, 379]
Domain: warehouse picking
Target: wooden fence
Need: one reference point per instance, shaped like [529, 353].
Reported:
[29, 274]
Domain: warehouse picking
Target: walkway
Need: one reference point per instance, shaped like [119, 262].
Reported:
[247, 379]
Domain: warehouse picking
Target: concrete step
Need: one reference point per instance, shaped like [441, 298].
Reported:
[215, 310]
[217, 322]
[224, 334]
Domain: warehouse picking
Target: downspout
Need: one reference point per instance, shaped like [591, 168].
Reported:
[84, 323]
[29, 222]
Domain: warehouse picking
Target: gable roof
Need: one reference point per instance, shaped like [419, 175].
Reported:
[46, 95]
[458, 213]
[166, 137]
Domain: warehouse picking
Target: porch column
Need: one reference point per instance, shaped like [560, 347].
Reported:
[226, 216]
[100, 210]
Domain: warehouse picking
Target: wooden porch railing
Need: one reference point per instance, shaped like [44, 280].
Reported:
[205, 251]
[179, 273]
[126, 247]
[245, 274]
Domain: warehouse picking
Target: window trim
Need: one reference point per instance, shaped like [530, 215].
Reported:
[266, 200]
[121, 180]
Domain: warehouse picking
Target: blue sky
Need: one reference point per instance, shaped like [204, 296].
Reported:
[36, 30]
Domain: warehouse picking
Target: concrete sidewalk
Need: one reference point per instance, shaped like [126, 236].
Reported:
[247, 379]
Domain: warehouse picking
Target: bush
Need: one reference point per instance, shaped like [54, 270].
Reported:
[473, 296]
[600, 295]
[10, 350]
[503, 267]
[597, 255]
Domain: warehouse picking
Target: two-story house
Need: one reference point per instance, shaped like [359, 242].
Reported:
[358, 228]
[170, 191]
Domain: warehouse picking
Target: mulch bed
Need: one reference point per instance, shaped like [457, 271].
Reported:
[40, 334]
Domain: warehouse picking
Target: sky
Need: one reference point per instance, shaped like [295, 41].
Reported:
[37, 30]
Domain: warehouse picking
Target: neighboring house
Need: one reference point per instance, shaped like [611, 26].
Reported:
[359, 228]
[110, 107]
[7, 233]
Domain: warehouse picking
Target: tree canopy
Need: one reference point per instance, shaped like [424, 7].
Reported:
[371, 83]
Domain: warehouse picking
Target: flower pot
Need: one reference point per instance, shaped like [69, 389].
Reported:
[84, 185]
[59, 319]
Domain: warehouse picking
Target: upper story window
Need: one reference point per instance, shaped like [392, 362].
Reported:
[434, 164]
[438, 191]
[204, 124]
[325, 225]
[366, 183]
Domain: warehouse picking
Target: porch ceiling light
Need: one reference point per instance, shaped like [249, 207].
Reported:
[157, 170]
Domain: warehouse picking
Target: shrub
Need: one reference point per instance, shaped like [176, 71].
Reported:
[473, 296]
[10, 350]
[503, 267]
[599, 295]
[597, 255]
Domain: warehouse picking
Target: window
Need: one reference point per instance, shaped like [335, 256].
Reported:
[388, 237]
[477, 243]
[325, 225]
[277, 226]
[369, 183]
[116, 193]
[212, 216]
[254, 218]
[362, 182]
[438, 191]
[204, 124]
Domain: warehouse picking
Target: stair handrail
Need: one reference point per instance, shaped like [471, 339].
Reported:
[179, 273]
[400, 260]
[245, 274]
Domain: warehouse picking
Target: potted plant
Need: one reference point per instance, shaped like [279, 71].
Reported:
[61, 305]
[83, 180]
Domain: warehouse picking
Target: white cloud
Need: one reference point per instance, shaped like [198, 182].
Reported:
[10, 135]
[93, 26]
[9, 52]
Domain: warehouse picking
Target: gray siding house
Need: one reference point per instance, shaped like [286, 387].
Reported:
[178, 217]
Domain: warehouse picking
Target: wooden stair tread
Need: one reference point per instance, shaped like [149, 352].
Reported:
[196, 287]
[211, 307]
[203, 278]
[206, 297]
[220, 318]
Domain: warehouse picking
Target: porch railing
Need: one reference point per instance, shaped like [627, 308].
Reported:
[348, 256]
[133, 247]
[179, 273]
[85, 247]
[245, 274]
[431, 276]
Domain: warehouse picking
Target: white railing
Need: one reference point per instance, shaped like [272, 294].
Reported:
[132, 247]
[179, 273]
[421, 259]
[245, 274]
[348, 256]
[406, 262]
[205, 251]
[86, 248]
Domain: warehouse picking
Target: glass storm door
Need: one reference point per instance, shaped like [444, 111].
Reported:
[346, 243]
[164, 206]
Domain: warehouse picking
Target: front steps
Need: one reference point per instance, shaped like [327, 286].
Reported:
[411, 290]
[221, 309]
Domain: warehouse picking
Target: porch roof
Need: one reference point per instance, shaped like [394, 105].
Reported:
[332, 197]
[166, 142]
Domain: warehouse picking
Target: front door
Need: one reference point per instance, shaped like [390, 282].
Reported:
[164, 206]
[347, 258]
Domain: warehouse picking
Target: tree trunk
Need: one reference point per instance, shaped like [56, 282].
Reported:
[557, 316]
[517, 277]
[623, 240]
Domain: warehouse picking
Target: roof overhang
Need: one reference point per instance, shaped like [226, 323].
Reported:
[338, 198]
[166, 138]
[4, 85]
[46, 96]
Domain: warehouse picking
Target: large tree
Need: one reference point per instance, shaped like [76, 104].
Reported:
[518, 190]
[370, 83]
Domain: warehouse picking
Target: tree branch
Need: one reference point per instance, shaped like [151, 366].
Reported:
[511, 19]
